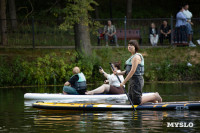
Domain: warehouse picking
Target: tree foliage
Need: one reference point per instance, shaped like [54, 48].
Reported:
[77, 12]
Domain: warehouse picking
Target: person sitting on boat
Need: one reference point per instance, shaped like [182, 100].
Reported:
[135, 71]
[114, 85]
[76, 84]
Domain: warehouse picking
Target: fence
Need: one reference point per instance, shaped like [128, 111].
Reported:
[33, 32]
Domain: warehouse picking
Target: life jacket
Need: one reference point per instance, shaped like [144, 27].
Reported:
[81, 83]
[140, 68]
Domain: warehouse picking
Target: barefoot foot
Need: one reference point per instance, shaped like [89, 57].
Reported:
[89, 93]
[158, 97]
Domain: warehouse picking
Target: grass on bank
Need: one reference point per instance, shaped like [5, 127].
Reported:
[54, 66]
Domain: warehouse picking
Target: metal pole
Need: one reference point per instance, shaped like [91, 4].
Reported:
[33, 32]
[123, 88]
[172, 30]
[125, 31]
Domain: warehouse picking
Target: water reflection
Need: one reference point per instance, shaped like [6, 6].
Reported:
[16, 115]
[127, 121]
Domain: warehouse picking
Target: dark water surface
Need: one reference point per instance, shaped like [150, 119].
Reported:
[16, 116]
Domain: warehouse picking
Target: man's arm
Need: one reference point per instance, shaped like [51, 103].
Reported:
[105, 29]
[191, 23]
[72, 80]
[114, 29]
[161, 31]
[169, 31]
[67, 83]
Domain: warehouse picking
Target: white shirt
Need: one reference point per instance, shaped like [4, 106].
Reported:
[188, 14]
[153, 31]
[113, 80]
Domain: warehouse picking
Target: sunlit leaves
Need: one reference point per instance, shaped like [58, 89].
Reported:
[77, 12]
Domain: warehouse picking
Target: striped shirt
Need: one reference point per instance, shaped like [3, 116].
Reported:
[109, 29]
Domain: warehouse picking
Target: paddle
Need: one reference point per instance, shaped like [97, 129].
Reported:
[123, 88]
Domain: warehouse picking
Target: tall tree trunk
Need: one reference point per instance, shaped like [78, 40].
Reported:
[96, 12]
[13, 15]
[110, 7]
[3, 22]
[82, 35]
[129, 9]
[82, 39]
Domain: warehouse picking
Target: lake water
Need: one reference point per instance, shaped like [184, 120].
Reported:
[16, 116]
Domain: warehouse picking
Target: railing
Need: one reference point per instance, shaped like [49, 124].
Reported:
[33, 32]
[144, 24]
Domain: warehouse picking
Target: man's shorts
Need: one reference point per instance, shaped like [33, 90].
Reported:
[70, 90]
[189, 29]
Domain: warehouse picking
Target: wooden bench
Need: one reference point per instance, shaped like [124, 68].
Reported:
[130, 34]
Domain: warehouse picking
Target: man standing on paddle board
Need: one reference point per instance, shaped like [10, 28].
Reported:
[76, 84]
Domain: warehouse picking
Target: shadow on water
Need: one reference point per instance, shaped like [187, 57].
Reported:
[17, 116]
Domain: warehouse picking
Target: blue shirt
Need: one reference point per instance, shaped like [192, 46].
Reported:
[180, 19]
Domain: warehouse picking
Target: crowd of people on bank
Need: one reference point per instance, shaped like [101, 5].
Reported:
[164, 33]
[183, 33]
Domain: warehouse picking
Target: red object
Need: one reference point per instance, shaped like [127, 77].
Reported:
[130, 34]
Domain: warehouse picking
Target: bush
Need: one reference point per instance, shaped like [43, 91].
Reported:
[56, 67]
[50, 69]
[168, 71]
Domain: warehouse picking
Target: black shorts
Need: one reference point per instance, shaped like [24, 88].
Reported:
[135, 86]
[116, 90]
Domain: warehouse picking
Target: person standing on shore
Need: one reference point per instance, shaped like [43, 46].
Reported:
[189, 24]
[180, 33]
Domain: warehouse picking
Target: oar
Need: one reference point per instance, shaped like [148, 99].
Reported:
[123, 88]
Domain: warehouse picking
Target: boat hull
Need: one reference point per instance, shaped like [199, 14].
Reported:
[47, 96]
[193, 105]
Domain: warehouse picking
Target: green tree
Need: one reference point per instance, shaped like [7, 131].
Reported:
[129, 9]
[77, 17]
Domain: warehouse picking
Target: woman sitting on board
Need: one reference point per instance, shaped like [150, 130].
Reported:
[76, 84]
[114, 85]
[135, 71]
